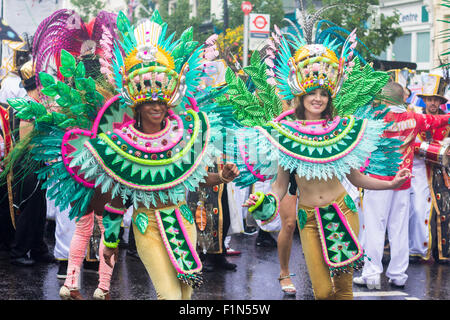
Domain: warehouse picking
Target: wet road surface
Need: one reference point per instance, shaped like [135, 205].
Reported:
[254, 279]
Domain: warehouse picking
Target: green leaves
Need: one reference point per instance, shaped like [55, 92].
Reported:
[77, 104]
[259, 107]
[68, 64]
[80, 71]
[362, 85]
[26, 109]
[46, 79]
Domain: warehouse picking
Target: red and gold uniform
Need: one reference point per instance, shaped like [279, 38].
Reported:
[429, 227]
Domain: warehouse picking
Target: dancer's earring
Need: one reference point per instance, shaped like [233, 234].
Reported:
[138, 119]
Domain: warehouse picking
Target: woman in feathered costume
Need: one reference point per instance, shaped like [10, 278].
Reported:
[89, 43]
[143, 148]
[328, 137]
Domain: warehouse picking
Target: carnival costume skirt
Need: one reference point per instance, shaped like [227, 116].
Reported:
[165, 241]
[329, 240]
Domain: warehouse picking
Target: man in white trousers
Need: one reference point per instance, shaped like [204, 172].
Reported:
[63, 235]
[419, 212]
[388, 210]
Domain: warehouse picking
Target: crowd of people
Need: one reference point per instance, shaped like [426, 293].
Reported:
[178, 217]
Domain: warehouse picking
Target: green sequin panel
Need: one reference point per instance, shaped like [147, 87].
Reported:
[178, 244]
[339, 243]
[187, 214]
[302, 216]
[141, 222]
[111, 222]
[350, 203]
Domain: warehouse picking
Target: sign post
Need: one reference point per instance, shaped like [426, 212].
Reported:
[246, 7]
[259, 30]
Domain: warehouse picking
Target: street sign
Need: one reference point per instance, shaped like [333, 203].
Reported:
[259, 22]
[259, 26]
[246, 7]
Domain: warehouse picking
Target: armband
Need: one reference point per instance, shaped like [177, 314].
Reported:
[112, 220]
[266, 208]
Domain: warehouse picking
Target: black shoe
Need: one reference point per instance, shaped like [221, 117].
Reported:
[62, 269]
[415, 259]
[45, 258]
[264, 239]
[208, 268]
[23, 262]
[220, 262]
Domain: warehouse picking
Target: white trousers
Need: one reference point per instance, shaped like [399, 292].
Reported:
[64, 230]
[236, 198]
[420, 210]
[386, 210]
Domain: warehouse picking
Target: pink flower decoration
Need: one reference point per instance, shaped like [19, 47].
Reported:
[271, 81]
[270, 72]
[269, 62]
[212, 39]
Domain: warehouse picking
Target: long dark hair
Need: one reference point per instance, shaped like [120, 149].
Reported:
[327, 114]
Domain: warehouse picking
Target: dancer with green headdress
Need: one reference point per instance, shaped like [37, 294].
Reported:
[143, 148]
[333, 133]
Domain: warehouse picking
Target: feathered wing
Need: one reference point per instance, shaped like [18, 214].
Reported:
[66, 30]
[131, 171]
[244, 106]
[361, 86]
[51, 146]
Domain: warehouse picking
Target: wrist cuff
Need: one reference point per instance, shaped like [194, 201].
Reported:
[112, 245]
[266, 208]
[112, 220]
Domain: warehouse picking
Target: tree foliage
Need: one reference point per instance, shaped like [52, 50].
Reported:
[354, 14]
[88, 9]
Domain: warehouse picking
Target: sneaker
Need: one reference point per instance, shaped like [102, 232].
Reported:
[70, 294]
[397, 283]
[250, 230]
[132, 253]
[44, 258]
[232, 252]
[99, 294]
[370, 283]
[23, 262]
[62, 269]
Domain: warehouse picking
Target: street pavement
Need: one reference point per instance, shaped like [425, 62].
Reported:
[254, 279]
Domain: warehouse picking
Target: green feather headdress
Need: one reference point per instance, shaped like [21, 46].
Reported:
[152, 65]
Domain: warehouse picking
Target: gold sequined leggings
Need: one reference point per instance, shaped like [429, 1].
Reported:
[154, 256]
[324, 286]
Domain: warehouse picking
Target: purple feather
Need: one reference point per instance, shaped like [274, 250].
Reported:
[65, 29]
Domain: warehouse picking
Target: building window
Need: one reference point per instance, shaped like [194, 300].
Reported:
[402, 48]
[172, 6]
[423, 46]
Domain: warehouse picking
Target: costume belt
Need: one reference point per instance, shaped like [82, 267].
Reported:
[340, 246]
[181, 250]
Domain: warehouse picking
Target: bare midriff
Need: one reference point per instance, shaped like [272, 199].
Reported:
[318, 192]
